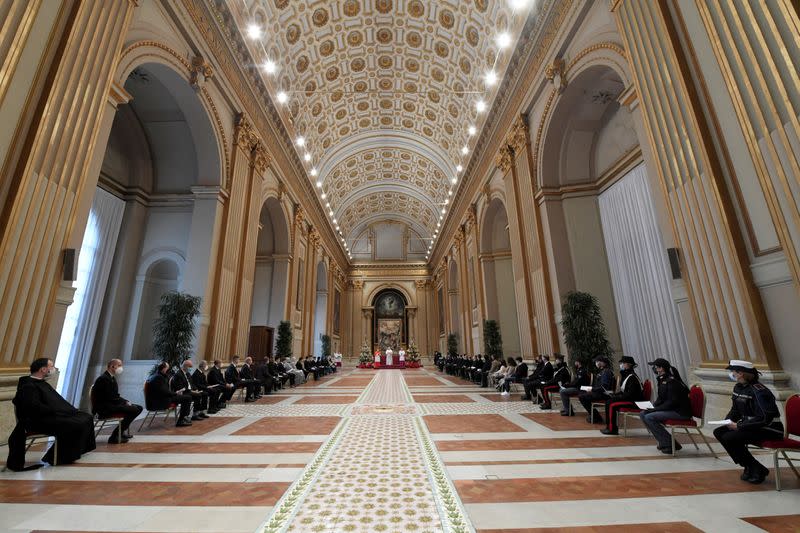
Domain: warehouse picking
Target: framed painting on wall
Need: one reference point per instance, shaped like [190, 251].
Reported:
[390, 333]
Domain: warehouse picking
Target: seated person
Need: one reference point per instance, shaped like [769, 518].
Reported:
[299, 375]
[233, 377]
[247, 373]
[573, 388]
[493, 366]
[754, 418]
[520, 374]
[264, 378]
[279, 373]
[216, 377]
[511, 367]
[603, 388]
[182, 384]
[561, 377]
[630, 392]
[499, 374]
[107, 403]
[40, 409]
[672, 403]
[309, 367]
[541, 375]
[213, 392]
[160, 396]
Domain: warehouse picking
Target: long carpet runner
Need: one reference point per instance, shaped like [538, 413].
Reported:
[379, 471]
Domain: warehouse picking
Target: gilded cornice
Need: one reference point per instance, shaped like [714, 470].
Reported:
[357, 284]
[199, 72]
[244, 136]
[420, 284]
[517, 138]
[504, 158]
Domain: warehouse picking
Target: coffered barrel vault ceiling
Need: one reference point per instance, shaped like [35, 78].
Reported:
[385, 98]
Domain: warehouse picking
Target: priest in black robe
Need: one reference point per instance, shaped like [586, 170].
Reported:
[40, 409]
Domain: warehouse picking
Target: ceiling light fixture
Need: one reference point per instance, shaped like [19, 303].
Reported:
[319, 183]
[459, 168]
[480, 106]
[283, 97]
[444, 210]
[323, 195]
[503, 40]
[454, 181]
[518, 4]
[300, 141]
[471, 130]
[307, 156]
[254, 31]
[490, 78]
[450, 192]
[270, 67]
[465, 150]
[314, 173]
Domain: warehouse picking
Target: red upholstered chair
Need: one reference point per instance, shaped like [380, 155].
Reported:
[101, 423]
[633, 412]
[697, 398]
[783, 447]
[153, 413]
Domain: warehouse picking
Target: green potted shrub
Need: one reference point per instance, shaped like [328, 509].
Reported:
[452, 344]
[492, 340]
[174, 329]
[326, 346]
[365, 357]
[585, 332]
[283, 346]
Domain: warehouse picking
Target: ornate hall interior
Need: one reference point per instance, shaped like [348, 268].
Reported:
[365, 195]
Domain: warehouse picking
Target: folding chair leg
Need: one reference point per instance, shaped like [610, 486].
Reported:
[119, 431]
[672, 439]
[708, 444]
[778, 472]
[692, 438]
[624, 424]
[791, 464]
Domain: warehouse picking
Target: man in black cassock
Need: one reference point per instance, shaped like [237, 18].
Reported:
[40, 409]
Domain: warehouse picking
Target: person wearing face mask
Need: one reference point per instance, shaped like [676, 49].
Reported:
[107, 403]
[580, 379]
[159, 396]
[602, 389]
[40, 409]
[560, 378]
[672, 403]
[630, 392]
[754, 417]
[214, 393]
[182, 384]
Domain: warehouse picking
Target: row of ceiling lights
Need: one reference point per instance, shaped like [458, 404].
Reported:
[502, 40]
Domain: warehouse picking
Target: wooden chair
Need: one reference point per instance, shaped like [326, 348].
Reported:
[153, 413]
[781, 448]
[697, 398]
[100, 423]
[631, 412]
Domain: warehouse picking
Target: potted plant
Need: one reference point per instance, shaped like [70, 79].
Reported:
[452, 344]
[326, 345]
[412, 356]
[283, 346]
[492, 341]
[173, 330]
[585, 332]
[365, 357]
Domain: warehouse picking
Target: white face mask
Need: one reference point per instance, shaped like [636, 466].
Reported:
[732, 376]
[118, 370]
[622, 366]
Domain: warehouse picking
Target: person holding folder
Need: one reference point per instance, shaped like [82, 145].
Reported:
[672, 403]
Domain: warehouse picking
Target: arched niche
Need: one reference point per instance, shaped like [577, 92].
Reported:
[497, 267]
[162, 276]
[390, 319]
[455, 303]
[320, 307]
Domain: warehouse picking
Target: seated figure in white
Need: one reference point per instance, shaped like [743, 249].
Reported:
[389, 356]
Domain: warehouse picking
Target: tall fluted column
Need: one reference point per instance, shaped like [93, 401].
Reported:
[43, 192]
[727, 308]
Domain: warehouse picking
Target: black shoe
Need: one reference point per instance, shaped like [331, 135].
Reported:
[223, 405]
[747, 473]
[196, 417]
[24, 468]
[183, 422]
[114, 440]
[213, 411]
[564, 413]
[546, 407]
[526, 397]
[202, 415]
[760, 473]
[127, 435]
[249, 400]
[606, 431]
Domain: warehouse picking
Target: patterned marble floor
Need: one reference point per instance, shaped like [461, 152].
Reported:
[393, 451]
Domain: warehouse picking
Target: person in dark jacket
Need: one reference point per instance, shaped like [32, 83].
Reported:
[40, 409]
[159, 396]
[754, 417]
[247, 373]
[602, 389]
[581, 378]
[107, 403]
[519, 376]
[264, 377]
[214, 392]
[672, 403]
[630, 392]
[561, 377]
[233, 377]
[216, 377]
[181, 384]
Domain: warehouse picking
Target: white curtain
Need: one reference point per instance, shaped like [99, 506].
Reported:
[648, 317]
[94, 265]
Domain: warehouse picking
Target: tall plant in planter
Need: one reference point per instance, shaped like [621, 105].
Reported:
[492, 341]
[283, 347]
[585, 332]
[365, 357]
[173, 330]
[326, 345]
[452, 344]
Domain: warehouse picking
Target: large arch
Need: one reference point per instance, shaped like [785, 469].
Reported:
[270, 278]
[497, 267]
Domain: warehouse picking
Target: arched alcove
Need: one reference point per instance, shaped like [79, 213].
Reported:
[496, 260]
[455, 303]
[321, 307]
[390, 321]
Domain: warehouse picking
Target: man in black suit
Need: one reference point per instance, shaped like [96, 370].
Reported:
[181, 384]
[214, 392]
[40, 409]
[233, 377]
[159, 396]
[247, 373]
[216, 377]
[107, 403]
[268, 382]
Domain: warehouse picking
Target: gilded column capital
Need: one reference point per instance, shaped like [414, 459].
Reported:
[261, 158]
[504, 158]
[357, 284]
[199, 72]
[420, 284]
[556, 74]
[244, 135]
[517, 137]
[470, 219]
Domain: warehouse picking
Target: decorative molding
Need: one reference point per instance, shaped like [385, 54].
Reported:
[504, 159]
[199, 72]
[517, 138]
[556, 74]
